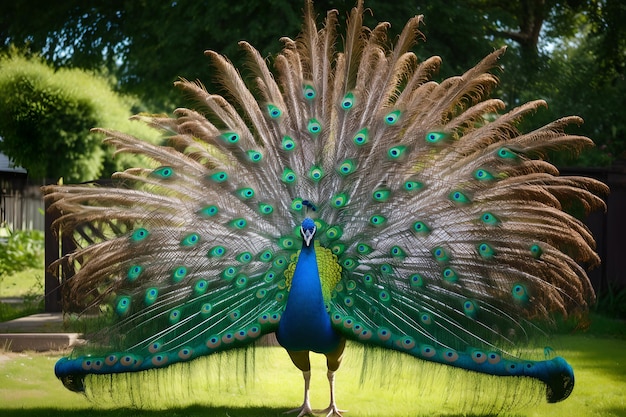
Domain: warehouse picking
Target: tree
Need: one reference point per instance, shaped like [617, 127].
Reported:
[148, 45]
[46, 117]
[580, 69]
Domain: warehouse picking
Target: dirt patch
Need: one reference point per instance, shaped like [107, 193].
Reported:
[7, 356]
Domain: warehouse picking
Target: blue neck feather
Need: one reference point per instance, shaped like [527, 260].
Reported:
[305, 323]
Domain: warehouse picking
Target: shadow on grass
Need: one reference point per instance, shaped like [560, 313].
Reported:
[620, 412]
[192, 411]
[598, 355]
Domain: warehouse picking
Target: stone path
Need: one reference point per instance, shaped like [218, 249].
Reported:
[38, 332]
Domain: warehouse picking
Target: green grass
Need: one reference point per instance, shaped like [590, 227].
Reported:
[29, 388]
[27, 284]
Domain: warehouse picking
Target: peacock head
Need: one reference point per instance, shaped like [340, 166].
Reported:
[307, 230]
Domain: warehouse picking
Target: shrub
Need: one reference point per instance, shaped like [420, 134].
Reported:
[46, 117]
[22, 249]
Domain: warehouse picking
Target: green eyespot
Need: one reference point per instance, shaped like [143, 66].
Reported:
[238, 223]
[483, 175]
[273, 111]
[139, 234]
[230, 137]
[265, 208]
[381, 195]
[217, 252]
[334, 232]
[420, 227]
[348, 101]
[435, 137]
[506, 153]
[316, 173]
[190, 240]
[163, 172]
[346, 167]
[339, 200]
[458, 197]
[392, 118]
[254, 156]
[489, 219]
[440, 255]
[413, 185]
[396, 152]
[209, 211]
[308, 92]
[361, 137]
[245, 193]
[297, 204]
[219, 176]
[288, 176]
[485, 250]
[288, 144]
[314, 127]
[364, 249]
[377, 220]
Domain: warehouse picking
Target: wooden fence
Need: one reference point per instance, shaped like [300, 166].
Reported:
[22, 208]
[608, 228]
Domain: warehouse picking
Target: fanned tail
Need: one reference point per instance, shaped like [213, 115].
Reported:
[446, 222]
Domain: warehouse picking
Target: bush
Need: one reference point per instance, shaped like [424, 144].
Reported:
[22, 249]
[46, 117]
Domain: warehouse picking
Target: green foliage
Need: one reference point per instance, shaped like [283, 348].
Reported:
[612, 302]
[570, 53]
[21, 272]
[572, 84]
[46, 117]
[31, 305]
[22, 249]
[148, 45]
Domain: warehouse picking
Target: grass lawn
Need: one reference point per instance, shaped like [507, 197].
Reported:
[28, 285]
[29, 388]
[28, 282]
[395, 387]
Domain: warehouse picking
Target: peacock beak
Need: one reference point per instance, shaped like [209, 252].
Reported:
[307, 235]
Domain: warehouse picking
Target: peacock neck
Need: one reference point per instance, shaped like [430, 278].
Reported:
[305, 324]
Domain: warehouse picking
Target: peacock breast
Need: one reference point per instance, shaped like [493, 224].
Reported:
[305, 324]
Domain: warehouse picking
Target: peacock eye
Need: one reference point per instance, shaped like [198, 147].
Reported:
[288, 176]
[288, 144]
[314, 126]
[273, 111]
[361, 137]
[163, 172]
[348, 101]
[392, 117]
[230, 137]
[254, 156]
[483, 175]
[316, 173]
[309, 92]
[435, 137]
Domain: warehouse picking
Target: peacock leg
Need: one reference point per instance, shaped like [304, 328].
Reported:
[333, 360]
[301, 360]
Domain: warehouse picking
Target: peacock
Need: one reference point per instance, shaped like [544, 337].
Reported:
[344, 196]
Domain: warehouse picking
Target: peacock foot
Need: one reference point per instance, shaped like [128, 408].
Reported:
[304, 410]
[331, 411]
